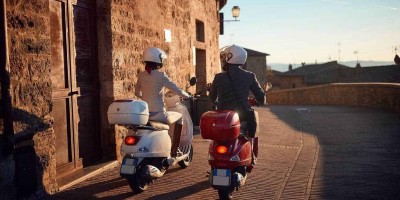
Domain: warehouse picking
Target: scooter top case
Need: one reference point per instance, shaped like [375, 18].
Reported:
[128, 112]
[220, 125]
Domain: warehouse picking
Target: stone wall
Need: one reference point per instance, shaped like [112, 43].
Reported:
[382, 95]
[124, 29]
[127, 27]
[288, 82]
[258, 65]
[30, 63]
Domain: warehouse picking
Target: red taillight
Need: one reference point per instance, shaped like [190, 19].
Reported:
[222, 149]
[131, 140]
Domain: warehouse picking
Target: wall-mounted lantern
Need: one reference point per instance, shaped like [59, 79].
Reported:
[235, 14]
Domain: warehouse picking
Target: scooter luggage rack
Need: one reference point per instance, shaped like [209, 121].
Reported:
[151, 125]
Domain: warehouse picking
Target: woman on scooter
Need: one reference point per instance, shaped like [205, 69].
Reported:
[150, 88]
[231, 87]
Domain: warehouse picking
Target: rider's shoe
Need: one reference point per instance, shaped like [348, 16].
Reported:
[253, 159]
[179, 152]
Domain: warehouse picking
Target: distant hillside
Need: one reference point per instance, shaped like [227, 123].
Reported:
[283, 67]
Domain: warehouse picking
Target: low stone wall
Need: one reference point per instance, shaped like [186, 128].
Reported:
[382, 95]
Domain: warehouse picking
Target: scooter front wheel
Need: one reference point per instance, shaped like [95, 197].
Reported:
[225, 194]
[186, 162]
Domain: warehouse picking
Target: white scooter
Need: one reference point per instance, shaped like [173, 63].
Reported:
[147, 146]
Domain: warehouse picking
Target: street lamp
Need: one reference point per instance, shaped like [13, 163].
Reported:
[235, 14]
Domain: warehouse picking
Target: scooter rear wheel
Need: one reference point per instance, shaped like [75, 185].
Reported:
[225, 194]
[138, 184]
[186, 162]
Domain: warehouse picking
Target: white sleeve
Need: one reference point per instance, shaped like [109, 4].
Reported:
[138, 88]
[172, 86]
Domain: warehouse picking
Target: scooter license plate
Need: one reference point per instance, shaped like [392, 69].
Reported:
[128, 166]
[221, 177]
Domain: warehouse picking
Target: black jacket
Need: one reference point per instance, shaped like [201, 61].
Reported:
[244, 81]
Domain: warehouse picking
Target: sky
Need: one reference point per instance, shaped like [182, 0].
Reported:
[295, 31]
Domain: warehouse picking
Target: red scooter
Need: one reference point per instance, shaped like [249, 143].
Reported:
[229, 152]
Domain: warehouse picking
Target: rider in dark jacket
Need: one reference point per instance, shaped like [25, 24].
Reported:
[232, 59]
[231, 88]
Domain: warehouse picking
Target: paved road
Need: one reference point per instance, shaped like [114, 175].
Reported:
[306, 152]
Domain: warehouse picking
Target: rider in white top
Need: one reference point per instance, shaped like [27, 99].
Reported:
[150, 88]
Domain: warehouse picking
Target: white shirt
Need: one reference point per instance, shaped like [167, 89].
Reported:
[150, 88]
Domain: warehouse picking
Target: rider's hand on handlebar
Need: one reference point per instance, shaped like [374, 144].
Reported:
[208, 86]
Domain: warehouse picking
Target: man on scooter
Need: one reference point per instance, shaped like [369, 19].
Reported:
[231, 87]
[150, 88]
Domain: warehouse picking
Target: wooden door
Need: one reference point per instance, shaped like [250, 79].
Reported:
[67, 157]
[87, 81]
[74, 86]
[201, 70]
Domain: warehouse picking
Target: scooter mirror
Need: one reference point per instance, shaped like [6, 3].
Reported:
[193, 81]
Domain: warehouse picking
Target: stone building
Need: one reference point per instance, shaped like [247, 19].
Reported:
[69, 59]
[334, 72]
[257, 63]
[290, 81]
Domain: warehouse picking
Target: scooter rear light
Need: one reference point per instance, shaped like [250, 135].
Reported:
[222, 149]
[131, 140]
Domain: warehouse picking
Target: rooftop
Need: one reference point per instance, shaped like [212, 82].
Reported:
[332, 72]
[251, 52]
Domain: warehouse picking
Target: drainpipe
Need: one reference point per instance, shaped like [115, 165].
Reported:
[6, 107]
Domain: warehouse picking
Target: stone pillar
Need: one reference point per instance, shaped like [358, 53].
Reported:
[7, 189]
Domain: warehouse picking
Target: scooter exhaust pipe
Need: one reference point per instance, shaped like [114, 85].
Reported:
[173, 161]
[154, 172]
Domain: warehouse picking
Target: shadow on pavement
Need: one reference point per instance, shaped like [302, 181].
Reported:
[359, 149]
[93, 189]
[183, 192]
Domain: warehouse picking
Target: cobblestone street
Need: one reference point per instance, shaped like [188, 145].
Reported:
[305, 152]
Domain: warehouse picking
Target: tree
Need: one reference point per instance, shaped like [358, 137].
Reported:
[397, 60]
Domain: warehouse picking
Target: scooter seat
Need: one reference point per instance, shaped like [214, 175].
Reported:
[159, 125]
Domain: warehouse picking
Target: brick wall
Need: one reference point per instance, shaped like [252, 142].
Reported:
[382, 95]
[30, 63]
[126, 28]
[288, 82]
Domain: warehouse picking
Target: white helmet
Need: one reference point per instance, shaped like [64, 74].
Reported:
[233, 55]
[153, 54]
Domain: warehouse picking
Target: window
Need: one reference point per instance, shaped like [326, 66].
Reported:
[200, 31]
